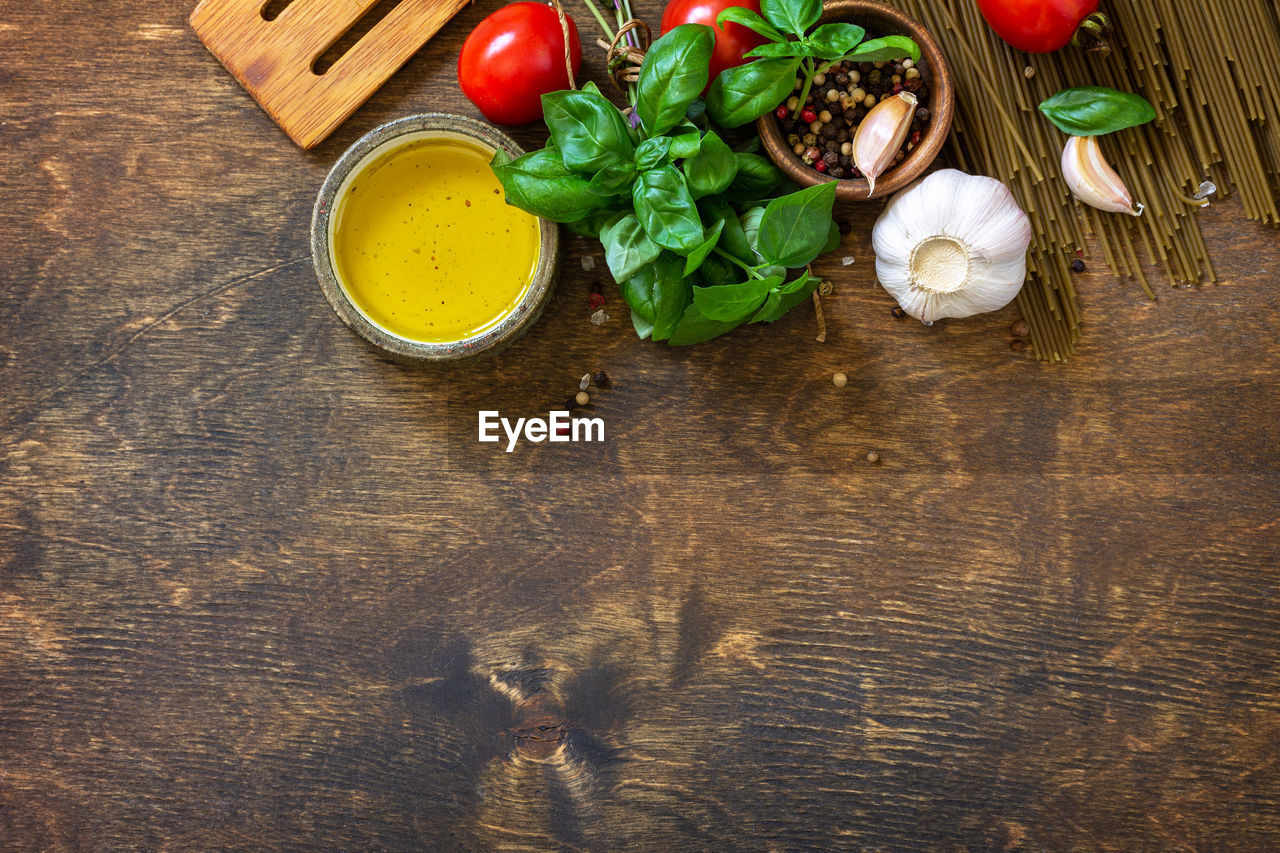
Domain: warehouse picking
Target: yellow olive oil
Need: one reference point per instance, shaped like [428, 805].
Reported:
[426, 246]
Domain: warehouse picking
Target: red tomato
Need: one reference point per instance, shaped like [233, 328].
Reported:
[731, 42]
[514, 57]
[1036, 26]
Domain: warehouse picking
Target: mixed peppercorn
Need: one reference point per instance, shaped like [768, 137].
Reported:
[820, 131]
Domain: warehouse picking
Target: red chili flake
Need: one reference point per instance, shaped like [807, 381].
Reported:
[781, 113]
[808, 115]
[595, 301]
[468, 202]
[821, 165]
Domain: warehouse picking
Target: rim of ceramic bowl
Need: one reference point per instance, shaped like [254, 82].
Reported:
[936, 71]
[384, 139]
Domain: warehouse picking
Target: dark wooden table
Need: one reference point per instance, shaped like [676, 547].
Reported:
[261, 589]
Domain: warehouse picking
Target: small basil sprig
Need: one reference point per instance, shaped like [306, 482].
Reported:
[743, 94]
[691, 229]
[1096, 110]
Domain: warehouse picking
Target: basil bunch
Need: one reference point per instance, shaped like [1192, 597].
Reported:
[690, 232]
[743, 94]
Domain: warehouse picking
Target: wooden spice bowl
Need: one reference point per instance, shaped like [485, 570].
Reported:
[878, 20]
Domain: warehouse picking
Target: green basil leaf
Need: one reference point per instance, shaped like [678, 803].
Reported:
[885, 49]
[743, 94]
[792, 16]
[643, 327]
[732, 238]
[696, 114]
[782, 299]
[627, 248]
[833, 41]
[794, 227]
[750, 20]
[833, 239]
[614, 179]
[666, 210]
[698, 255]
[694, 328]
[587, 129]
[652, 152]
[671, 294]
[712, 169]
[733, 302]
[757, 176]
[686, 142]
[716, 270]
[594, 223]
[658, 294]
[799, 284]
[673, 74]
[539, 183]
[777, 49]
[750, 220]
[770, 310]
[1095, 110]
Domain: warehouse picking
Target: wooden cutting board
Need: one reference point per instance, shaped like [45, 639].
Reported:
[275, 60]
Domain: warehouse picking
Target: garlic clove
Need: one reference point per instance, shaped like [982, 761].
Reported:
[1092, 180]
[880, 135]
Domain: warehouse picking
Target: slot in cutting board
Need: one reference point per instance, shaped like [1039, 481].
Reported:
[273, 60]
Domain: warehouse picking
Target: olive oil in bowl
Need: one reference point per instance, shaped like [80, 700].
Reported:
[418, 250]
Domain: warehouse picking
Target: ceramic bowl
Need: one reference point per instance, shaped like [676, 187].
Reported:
[878, 20]
[368, 150]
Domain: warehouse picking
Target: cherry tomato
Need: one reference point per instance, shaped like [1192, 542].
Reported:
[1036, 26]
[514, 57]
[731, 42]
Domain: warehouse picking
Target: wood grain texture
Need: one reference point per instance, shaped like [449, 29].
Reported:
[261, 589]
[276, 60]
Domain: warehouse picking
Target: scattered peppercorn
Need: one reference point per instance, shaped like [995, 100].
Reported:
[582, 398]
[1018, 345]
[808, 116]
[898, 313]
[1028, 72]
[873, 457]
[1020, 329]
[595, 301]
[1077, 265]
[839, 380]
[570, 404]
[781, 113]
[601, 379]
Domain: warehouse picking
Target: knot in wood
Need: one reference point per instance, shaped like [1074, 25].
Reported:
[539, 727]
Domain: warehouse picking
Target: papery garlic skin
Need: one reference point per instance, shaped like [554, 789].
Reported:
[952, 245]
[880, 135]
[1092, 180]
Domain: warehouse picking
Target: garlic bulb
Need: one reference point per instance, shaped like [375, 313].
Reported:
[1092, 180]
[880, 135]
[952, 245]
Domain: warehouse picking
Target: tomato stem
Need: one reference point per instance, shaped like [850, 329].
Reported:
[1092, 34]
